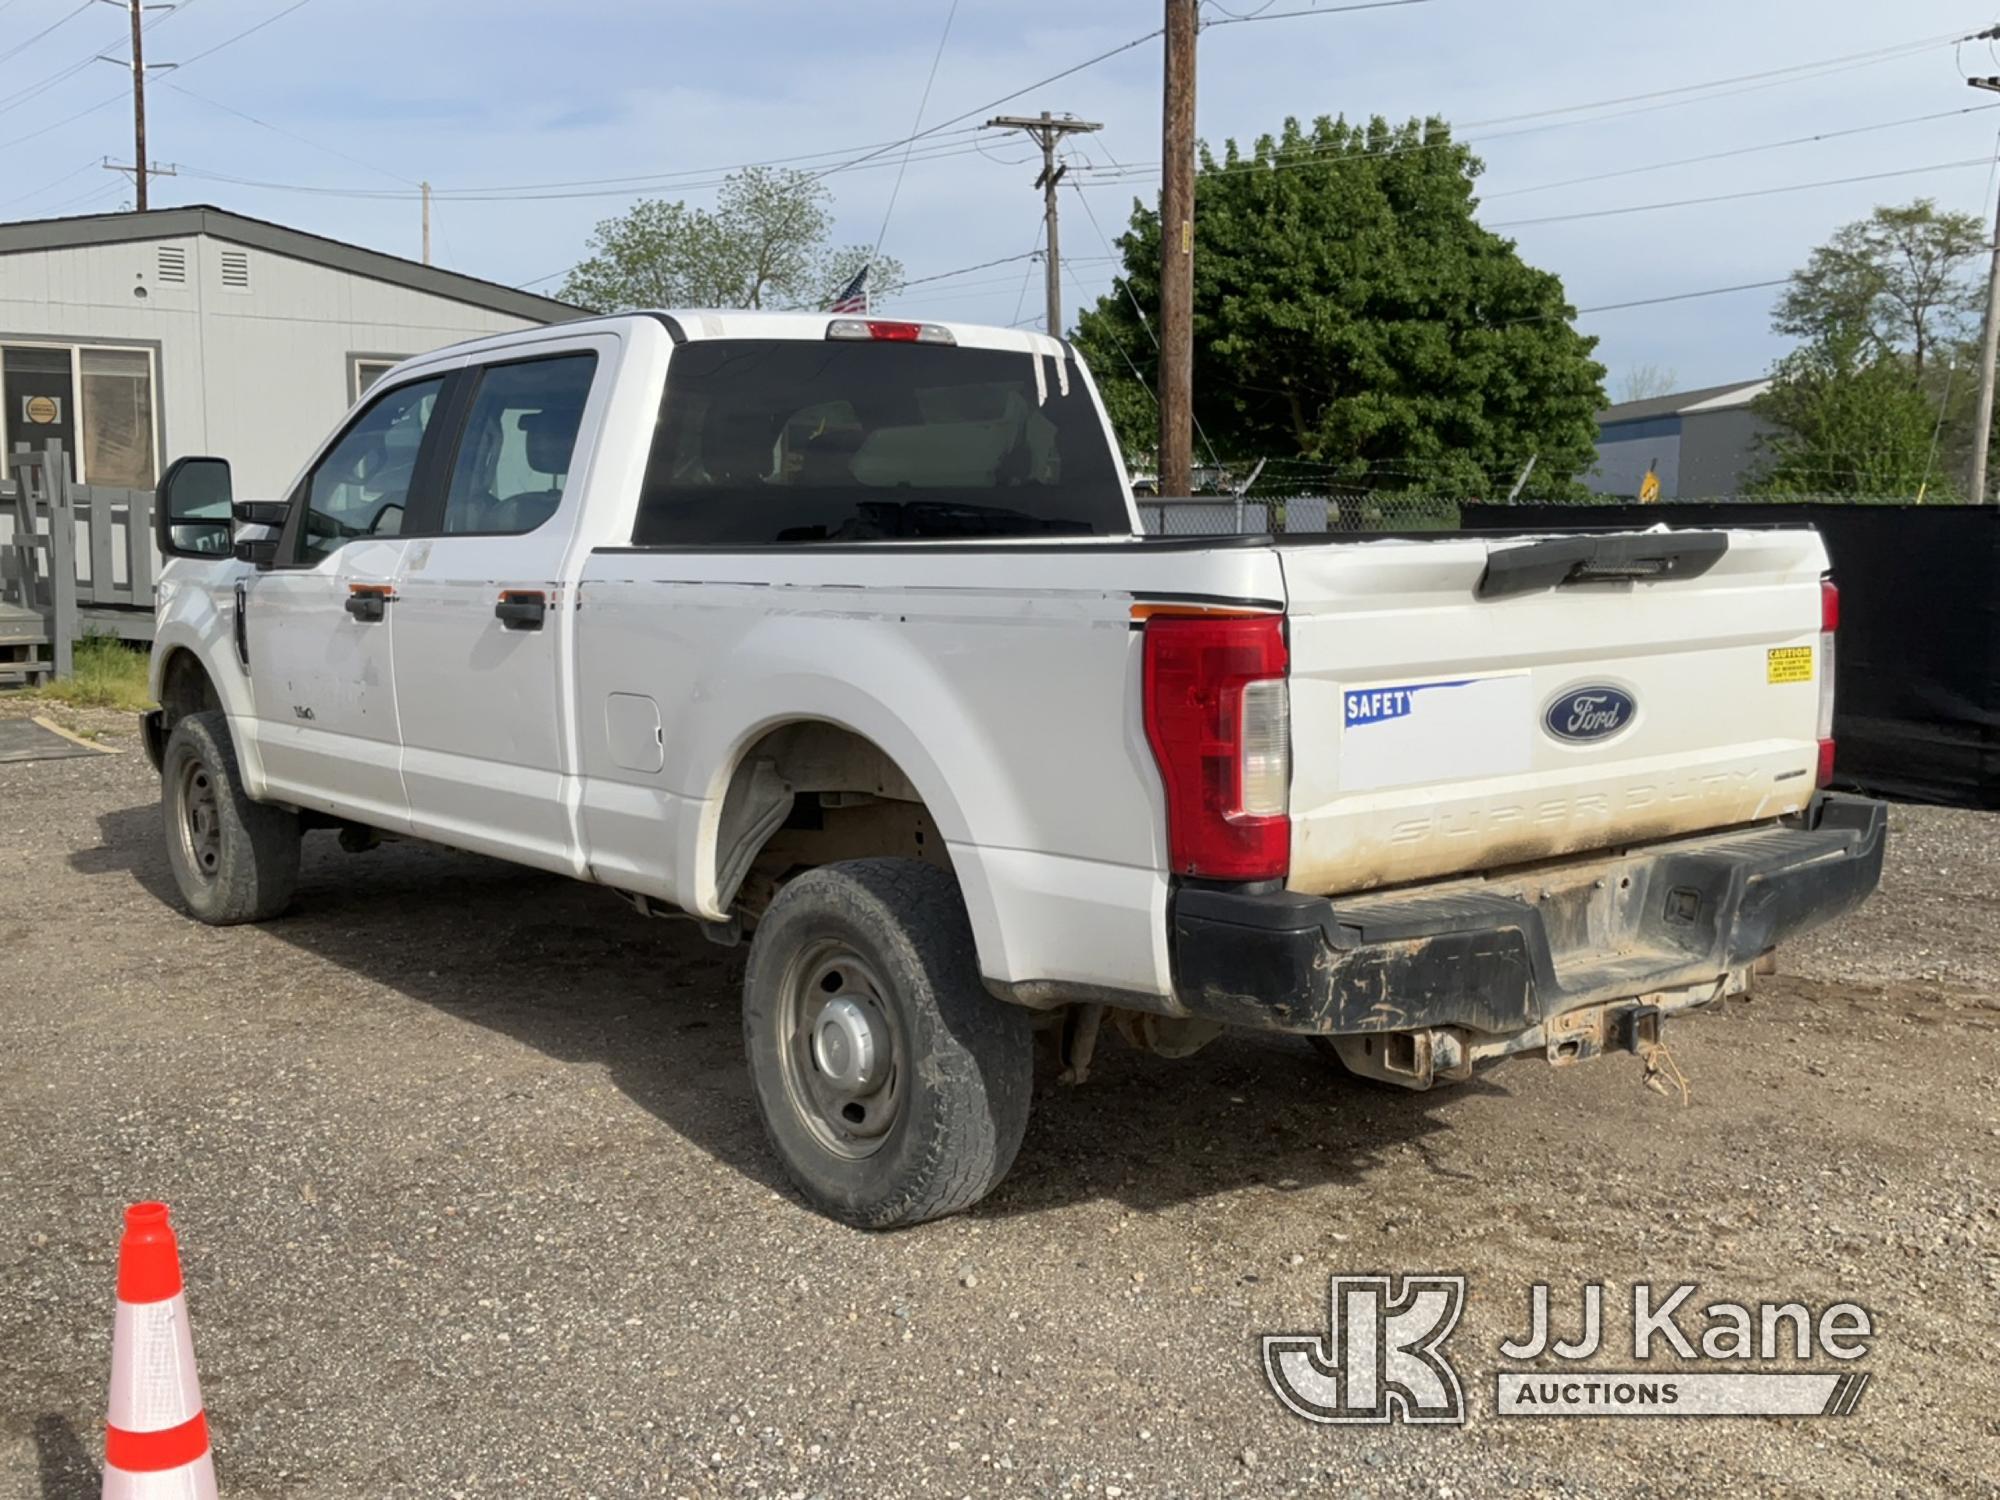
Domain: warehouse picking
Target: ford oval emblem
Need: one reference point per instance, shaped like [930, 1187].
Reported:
[1589, 713]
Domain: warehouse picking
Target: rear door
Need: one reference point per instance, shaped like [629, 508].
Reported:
[483, 616]
[1438, 731]
[317, 626]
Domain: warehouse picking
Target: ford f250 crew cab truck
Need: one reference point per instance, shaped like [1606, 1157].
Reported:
[840, 635]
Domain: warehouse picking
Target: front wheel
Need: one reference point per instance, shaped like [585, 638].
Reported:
[234, 860]
[893, 1086]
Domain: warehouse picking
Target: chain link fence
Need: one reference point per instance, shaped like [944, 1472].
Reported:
[1321, 514]
[1298, 515]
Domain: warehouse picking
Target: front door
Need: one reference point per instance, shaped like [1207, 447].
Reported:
[318, 626]
[40, 398]
[482, 620]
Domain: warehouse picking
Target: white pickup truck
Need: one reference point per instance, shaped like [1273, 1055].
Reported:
[840, 634]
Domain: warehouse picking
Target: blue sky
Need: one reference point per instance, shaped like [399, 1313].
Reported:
[364, 97]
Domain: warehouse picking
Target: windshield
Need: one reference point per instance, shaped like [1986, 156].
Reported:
[767, 441]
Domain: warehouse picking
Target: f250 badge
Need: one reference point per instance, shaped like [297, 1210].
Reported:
[1589, 713]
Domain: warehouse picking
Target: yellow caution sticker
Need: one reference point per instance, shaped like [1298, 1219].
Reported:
[1789, 664]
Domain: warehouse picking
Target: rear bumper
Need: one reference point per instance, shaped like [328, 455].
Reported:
[1498, 957]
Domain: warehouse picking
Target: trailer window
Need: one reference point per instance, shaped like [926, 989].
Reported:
[782, 441]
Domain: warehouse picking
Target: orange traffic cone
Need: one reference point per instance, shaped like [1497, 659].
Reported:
[156, 1439]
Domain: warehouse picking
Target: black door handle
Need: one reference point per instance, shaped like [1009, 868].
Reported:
[368, 604]
[521, 609]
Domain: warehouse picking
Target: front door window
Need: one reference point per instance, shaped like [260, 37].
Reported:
[362, 487]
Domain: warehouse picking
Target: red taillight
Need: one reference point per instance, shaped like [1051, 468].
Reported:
[1223, 749]
[889, 330]
[1829, 623]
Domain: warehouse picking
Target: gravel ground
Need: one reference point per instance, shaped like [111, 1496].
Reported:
[473, 1201]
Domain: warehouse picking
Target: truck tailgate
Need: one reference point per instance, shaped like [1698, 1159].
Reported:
[1467, 704]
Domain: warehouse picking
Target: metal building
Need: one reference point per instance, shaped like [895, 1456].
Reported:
[1700, 444]
[134, 338]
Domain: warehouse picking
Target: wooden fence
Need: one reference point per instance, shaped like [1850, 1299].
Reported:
[75, 559]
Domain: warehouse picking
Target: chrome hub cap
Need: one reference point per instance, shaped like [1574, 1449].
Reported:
[843, 1053]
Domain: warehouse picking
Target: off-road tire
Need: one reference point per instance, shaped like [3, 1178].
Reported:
[244, 865]
[967, 1058]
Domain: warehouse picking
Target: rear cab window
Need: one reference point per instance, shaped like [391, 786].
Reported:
[786, 441]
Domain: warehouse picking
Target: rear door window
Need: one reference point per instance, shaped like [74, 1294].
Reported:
[519, 441]
[779, 441]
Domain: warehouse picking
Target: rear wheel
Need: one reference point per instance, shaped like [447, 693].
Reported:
[234, 860]
[893, 1086]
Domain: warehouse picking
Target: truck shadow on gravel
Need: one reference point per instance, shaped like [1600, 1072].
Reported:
[573, 972]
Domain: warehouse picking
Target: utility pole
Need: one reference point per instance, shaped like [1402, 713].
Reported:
[139, 103]
[139, 169]
[1989, 341]
[427, 221]
[1047, 132]
[1176, 465]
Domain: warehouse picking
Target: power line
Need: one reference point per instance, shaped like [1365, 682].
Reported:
[922, 103]
[1266, 14]
[20, 47]
[1144, 322]
[983, 265]
[58, 182]
[230, 109]
[1559, 117]
[1791, 187]
[668, 179]
[110, 189]
[188, 62]
[36, 90]
[107, 100]
[1029, 274]
[1688, 161]
[1602, 307]
[1074, 68]
[527, 197]
[1235, 17]
[1879, 54]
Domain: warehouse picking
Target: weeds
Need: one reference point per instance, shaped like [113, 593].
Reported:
[108, 673]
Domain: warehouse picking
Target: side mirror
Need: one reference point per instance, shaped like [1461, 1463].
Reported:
[191, 508]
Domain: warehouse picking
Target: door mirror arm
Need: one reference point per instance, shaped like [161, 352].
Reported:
[262, 553]
[270, 513]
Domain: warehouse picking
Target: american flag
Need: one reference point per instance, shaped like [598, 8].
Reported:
[854, 299]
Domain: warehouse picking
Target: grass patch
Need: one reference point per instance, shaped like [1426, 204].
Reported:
[108, 674]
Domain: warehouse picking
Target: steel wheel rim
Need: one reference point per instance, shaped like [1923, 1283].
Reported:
[200, 821]
[826, 987]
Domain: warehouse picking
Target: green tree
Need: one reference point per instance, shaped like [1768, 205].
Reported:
[1352, 317]
[1897, 279]
[1878, 399]
[1852, 419]
[764, 244]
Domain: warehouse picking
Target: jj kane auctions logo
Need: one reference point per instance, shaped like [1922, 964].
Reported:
[1382, 1357]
